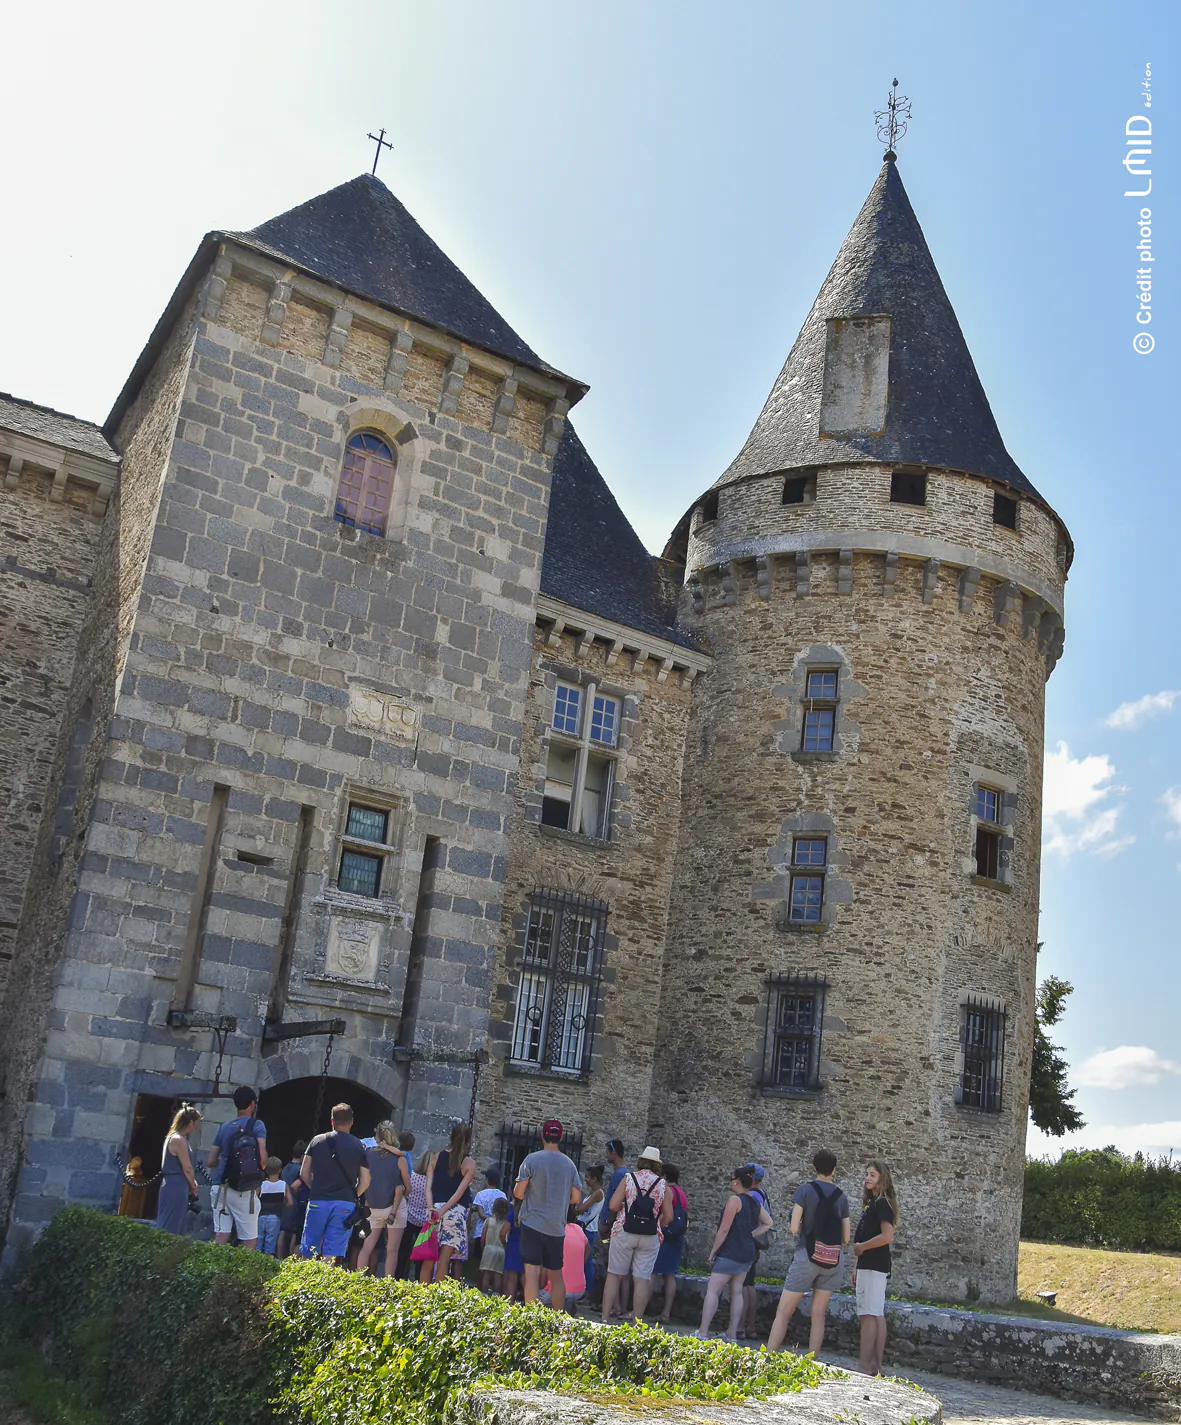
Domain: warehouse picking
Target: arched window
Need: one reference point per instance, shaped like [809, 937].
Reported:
[366, 483]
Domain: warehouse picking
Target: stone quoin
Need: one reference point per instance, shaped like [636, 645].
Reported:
[347, 711]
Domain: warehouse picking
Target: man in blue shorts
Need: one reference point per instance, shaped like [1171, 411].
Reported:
[335, 1169]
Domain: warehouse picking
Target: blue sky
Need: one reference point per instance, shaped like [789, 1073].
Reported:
[652, 194]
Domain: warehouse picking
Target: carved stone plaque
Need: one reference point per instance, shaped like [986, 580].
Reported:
[354, 948]
[383, 714]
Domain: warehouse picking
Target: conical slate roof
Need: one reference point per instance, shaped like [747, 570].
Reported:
[937, 412]
[360, 237]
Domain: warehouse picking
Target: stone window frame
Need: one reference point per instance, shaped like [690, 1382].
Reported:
[995, 1008]
[989, 779]
[393, 425]
[383, 511]
[791, 984]
[1012, 499]
[559, 974]
[389, 851]
[838, 891]
[789, 730]
[590, 683]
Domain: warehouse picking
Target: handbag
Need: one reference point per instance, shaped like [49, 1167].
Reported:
[426, 1244]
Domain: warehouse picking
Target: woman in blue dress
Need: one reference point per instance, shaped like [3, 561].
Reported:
[180, 1183]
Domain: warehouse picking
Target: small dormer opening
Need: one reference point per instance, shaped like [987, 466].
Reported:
[709, 507]
[799, 489]
[908, 487]
[1004, 510]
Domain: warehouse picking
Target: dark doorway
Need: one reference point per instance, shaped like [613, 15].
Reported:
[288, 1111]
[145, 1153]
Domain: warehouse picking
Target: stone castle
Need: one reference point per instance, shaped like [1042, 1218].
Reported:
[354, 746]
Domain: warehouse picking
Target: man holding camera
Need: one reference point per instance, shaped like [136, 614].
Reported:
[336, 1170]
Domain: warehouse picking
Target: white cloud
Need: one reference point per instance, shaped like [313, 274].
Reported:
[1154, 1140]
[1130, 716]
[1074, 817]
[1172, 803]
[1126, 1067]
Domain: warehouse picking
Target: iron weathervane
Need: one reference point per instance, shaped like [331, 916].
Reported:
[892, 121]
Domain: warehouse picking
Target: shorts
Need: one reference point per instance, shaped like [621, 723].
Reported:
[399, 1218]
[871, 1292]
[806, 1275]
[538, 1250]
[629, 1252]
[237, 1211]
[379, 1218]
[268, 1233]
[324, 1232]
[728, 1267]
[453, 1229]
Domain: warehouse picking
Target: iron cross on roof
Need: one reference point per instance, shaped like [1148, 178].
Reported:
[381, 141]
[892, 121]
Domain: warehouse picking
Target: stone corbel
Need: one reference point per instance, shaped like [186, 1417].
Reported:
[969, 583]
[688, 677]
[930, 580]
[98, 506]
[666, 667]
[12, 476]
[338, 335]
[276, 313]
[554, 637]
[58, 491]
[697, 594]
[504, 405]
[395, 370]
[845, 571]
[764, 576]
[615, 650]
[890, 573]
[1005, 602]
[1032, 608]
[555, 422]
[584, 642]
[1047, 626]
[215, 289]
[457, 369]
[803, 573]
[729, 576]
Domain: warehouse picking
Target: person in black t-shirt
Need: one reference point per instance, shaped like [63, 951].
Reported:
[871, 1247]
[336, 1168]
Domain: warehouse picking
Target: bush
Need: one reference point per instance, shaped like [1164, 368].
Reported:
[151, 1328]
[1104, 1199]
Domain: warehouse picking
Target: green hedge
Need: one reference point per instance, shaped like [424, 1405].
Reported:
[155, 1330]
[1104, 1199]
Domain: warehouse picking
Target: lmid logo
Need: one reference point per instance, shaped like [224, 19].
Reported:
[1138, 131]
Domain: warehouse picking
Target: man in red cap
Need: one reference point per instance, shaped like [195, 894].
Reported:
[547, 1186]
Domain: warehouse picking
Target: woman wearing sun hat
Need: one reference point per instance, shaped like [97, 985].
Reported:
[642, 1207]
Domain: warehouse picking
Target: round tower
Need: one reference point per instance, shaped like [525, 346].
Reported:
[852, 936]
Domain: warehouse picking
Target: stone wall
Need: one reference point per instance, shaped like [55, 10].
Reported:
[630, 873]
[279, 665]
[49, 553]
[938, 691]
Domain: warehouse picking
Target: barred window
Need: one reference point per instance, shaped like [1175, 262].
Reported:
[809, 856]
[366, 483]
[561, 971]
[518, 1140]
[820, 710]
[982, 1050]
[580, 767]
[366, 846]
[791, 1041]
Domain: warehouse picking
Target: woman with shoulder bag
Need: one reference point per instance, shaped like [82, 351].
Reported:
[733, 1251]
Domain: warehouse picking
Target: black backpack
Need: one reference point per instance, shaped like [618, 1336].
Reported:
[824, 1240]
[640, 1217]
[679, 1223]
[243, 1160]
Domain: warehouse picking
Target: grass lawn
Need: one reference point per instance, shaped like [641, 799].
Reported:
[1136, 1291]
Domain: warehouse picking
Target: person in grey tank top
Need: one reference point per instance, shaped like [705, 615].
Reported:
[733, 1251]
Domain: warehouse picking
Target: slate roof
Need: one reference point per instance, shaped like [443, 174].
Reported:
[593, 558]
[54, 427]
[360, 237]
[938, 413]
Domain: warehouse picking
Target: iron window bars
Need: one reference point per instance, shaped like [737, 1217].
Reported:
[518, 1140]
[793, 1031]
[364, 850]
[561, 972]
[982, 1044]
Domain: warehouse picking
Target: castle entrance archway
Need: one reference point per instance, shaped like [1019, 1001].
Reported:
[288, 1111]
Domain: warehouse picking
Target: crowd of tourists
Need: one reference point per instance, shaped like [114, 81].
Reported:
[552, 1235]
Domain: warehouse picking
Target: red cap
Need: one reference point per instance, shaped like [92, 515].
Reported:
[551, 1128]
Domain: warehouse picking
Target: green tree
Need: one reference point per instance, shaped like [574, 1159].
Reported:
[1050, 1103]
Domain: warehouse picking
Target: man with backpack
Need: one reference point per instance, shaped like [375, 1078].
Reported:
[236, 1161]
[641, 1207]
[820, 1225]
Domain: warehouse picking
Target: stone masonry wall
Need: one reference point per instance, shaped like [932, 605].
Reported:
[631, 872]
[936, 692]
[35, 1020]
[49, 549]
[296, 663]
